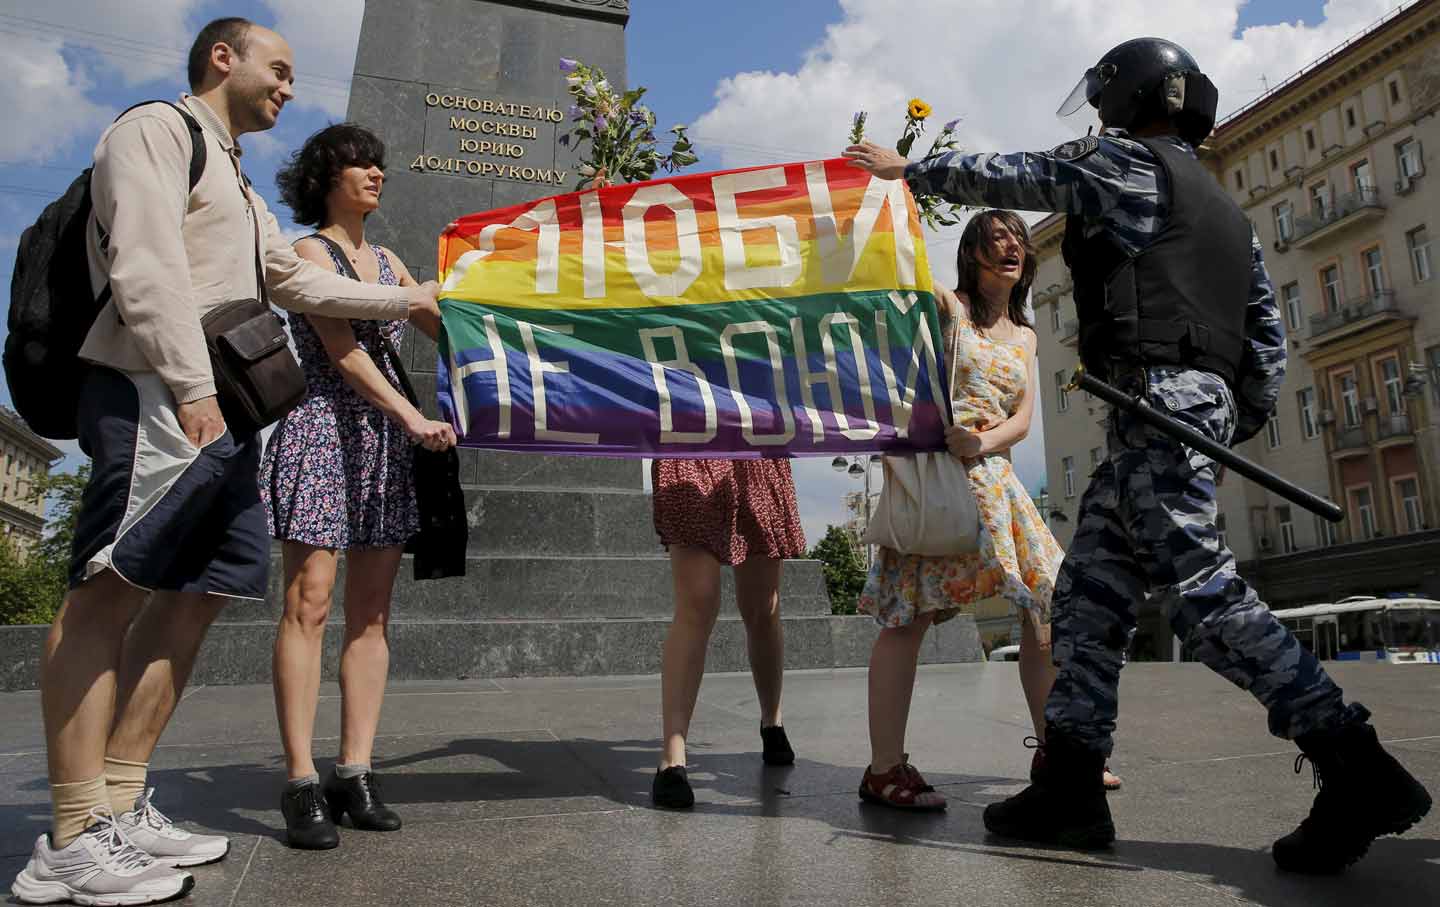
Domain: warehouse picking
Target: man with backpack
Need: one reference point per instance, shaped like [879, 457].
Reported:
[172, 513]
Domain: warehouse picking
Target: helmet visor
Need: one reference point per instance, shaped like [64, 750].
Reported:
[1088, 89]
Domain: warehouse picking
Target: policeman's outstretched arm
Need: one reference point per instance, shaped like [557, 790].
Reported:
[1086, 177]
[1263, 368]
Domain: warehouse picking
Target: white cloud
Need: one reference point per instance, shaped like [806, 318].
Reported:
[265, 146]
[1002, 65]
[149, 40]
[324, 37]
[45, 96]
[141, 40]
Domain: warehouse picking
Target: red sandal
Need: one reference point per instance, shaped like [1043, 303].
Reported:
[899, 788]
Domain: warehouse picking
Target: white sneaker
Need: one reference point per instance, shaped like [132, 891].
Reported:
[100, 867]
[151, 831]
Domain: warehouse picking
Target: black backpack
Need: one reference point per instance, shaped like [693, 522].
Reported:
[52, 305]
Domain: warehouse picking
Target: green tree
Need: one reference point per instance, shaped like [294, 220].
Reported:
[839, 555]
[32, 584]
[28, 593]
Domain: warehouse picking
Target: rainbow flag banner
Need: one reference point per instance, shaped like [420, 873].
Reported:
[771, 311]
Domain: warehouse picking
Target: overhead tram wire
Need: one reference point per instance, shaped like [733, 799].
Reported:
[171, 51]
[31, 190]
[23, 165]
[125, 49]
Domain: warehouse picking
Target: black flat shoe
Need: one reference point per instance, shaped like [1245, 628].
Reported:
[777, 746]
[307, 827]
[671, 789]
[360, 798]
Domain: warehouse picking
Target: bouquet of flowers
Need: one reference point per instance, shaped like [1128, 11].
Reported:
[935, 212]
[620, 130]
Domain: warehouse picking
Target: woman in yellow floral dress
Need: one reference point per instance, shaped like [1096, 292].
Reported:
[1018, 559]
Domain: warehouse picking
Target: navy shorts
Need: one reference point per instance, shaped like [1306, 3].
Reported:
[160, 512]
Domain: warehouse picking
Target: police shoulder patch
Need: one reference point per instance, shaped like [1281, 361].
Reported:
[1077, 149]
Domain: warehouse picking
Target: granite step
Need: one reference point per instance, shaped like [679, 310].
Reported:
[451, 650]
[547, 521]
[498, 469]
[561, 588]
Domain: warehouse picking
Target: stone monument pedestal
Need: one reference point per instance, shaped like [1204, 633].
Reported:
[566, 575]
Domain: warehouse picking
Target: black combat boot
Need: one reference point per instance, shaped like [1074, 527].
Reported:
[1364, 793]
[1065, 804]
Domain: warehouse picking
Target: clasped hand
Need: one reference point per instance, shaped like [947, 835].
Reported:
[431, 434]
[966, 444]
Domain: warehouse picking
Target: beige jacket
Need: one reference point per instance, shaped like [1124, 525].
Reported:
[170, 257]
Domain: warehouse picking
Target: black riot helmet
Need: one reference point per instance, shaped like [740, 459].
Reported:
[1146, 79]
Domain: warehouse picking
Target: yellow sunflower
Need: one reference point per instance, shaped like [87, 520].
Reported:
[919, 110]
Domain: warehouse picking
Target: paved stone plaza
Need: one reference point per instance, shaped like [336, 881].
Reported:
[534, 792]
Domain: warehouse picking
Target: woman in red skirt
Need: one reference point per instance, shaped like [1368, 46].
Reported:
[709, 513]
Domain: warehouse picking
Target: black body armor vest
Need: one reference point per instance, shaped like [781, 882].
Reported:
[1179, 301]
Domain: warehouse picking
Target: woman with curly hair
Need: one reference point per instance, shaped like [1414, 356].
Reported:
[987, 330]
[337, 477]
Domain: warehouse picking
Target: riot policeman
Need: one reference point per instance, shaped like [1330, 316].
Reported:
[1174, 302]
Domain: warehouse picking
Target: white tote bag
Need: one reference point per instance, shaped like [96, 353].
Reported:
[926, 504]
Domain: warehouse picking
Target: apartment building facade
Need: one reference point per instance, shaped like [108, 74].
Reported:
[25, 458]
[1337, 169]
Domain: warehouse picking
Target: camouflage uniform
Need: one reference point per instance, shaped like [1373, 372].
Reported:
[1147, 521]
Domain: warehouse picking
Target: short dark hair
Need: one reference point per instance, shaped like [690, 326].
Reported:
[981, 228]
[308, 176]
[233, 31]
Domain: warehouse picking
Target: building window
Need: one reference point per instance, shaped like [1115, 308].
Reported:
[1364, 512]
[1239, 179]
[1294, 310]
[1361, 179]
[1410, 516]
[1305, 400]
[1325, 533]
[1068, 465]
[1433, 357]
[1096, 455]
[1274, 159]
[1350, 117]
[1394, 386]
[1055, 317]
[1394, 91]
[1272, 431]
[1284, 221]
[1407, 159]
[1374, 270]
[1330, 287]
[1319, 200]
[1309, 140]
[1418, 242]
[1062, 396]
[1287, 530]
[1220, 530]
[1350, 400]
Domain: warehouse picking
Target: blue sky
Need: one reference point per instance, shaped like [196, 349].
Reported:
[681, 50]
[759, 81]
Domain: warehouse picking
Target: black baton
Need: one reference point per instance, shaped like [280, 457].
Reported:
[1215, 451]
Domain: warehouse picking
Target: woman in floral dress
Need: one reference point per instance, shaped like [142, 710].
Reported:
[1018, 559]
[337, 477]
